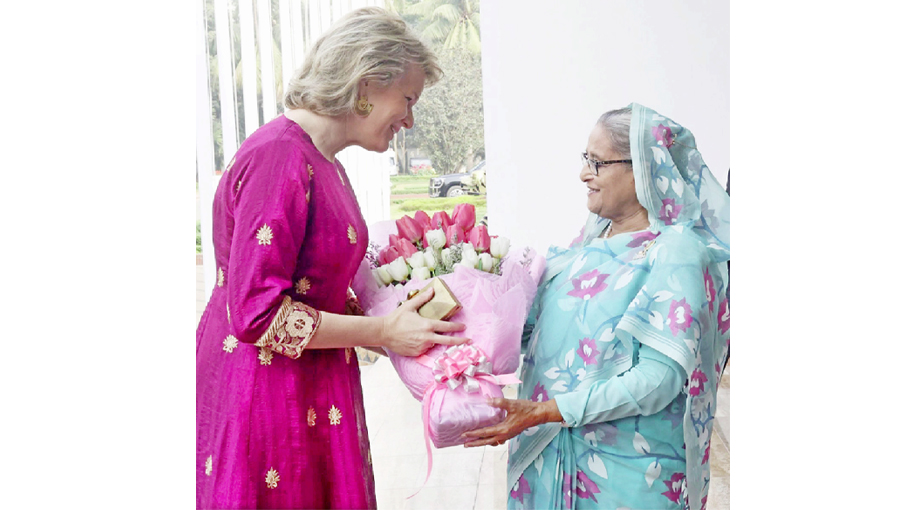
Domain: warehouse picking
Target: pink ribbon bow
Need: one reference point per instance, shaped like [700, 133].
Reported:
[459, 365]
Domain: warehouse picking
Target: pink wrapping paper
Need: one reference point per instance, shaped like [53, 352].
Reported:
[494, 311]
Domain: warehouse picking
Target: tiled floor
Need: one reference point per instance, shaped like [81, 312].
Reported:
[463, 478]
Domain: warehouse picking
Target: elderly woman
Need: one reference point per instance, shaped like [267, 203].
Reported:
[279, 408]
[630, 333]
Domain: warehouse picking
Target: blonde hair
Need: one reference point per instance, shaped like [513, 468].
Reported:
[369, 43]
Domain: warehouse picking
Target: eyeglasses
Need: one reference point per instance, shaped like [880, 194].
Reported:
[593, 164]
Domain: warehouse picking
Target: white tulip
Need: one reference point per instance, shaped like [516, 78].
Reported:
[384, 275]
[486, 262]
[445, 256]
[420, 273]
[417, 260]
[469, 258]
[430, 258]
[398, 268]
[499, 246]
[467, 247]
[436, 238]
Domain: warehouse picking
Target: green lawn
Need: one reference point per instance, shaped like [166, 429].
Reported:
[413, 185]
[409, 184]
[408, 206]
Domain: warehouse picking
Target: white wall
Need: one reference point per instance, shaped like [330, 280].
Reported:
[551, 68]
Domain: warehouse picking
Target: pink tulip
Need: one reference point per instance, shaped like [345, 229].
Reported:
[454, 235]
[423, 219]
[480, 238]
[393, 239]
[463, 215]
[409, 228]
[406, 248]
[441, 221]
[388, 254]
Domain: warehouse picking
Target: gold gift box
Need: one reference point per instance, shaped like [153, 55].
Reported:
[443, 305]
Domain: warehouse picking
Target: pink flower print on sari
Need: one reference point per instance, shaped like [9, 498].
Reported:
[697, 382]
[676, 484]
[663, 135]
[522, 489]
[540, 394]
[710, 293]
[670, 210]
[588, 284]
[586, 488]
[704, 459]
[680, 316]
[641, 238]
[723, 316]
[587, 349]
[567, 489]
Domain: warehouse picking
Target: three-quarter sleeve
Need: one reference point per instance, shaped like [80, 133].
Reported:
[645, 389]
[270, 211]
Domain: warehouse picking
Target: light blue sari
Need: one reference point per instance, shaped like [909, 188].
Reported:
[604, 303]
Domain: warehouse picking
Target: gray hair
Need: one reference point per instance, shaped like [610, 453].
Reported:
[618, 125]
[369, 43]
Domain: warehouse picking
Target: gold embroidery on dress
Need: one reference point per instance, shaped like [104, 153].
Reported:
[352, 234]
[308, 196]
[264, 235]
[271, 479]
[309, 169]
[347, 355]
[220, 277]
[302, 286]
[228, 308]
[300, 324]
[334, 416]
[339, 175]
[292, 329]
[369, 457]
[265, 356]
[208, 466]
[230, 165]
[311, 417]
[230, 343]
[238, 184]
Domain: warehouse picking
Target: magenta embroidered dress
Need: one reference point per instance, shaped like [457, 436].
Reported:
[279, 425]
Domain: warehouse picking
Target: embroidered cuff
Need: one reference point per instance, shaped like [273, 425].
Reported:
[292, 329]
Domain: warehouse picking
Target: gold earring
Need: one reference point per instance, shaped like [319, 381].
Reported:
[363, 107]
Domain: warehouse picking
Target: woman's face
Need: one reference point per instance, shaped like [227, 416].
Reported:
[611, 194]
[391, 112]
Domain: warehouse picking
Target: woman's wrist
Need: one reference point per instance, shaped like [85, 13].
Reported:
[549, 412]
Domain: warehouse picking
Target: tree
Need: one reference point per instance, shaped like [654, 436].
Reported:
[449, 23]
[449, 116]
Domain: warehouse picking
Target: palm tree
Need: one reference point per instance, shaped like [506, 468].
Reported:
[452, 23]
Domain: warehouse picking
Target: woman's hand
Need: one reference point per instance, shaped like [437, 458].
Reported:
[406, 333]
[521, 415]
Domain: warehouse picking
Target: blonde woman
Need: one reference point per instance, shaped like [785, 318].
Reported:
[279, 407]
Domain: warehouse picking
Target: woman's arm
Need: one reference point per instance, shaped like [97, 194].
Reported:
[645, 389]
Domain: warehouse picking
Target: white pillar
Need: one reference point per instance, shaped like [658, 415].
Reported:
[205, 148]
[248, 67]
[269, 103]
[225, 80]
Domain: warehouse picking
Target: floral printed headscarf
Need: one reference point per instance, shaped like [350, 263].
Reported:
[672, 183]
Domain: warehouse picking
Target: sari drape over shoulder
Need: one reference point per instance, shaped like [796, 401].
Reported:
[278, 425]
[607, 305]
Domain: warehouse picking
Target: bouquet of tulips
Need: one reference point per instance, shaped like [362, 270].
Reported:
[495, 288]
[425, 247]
